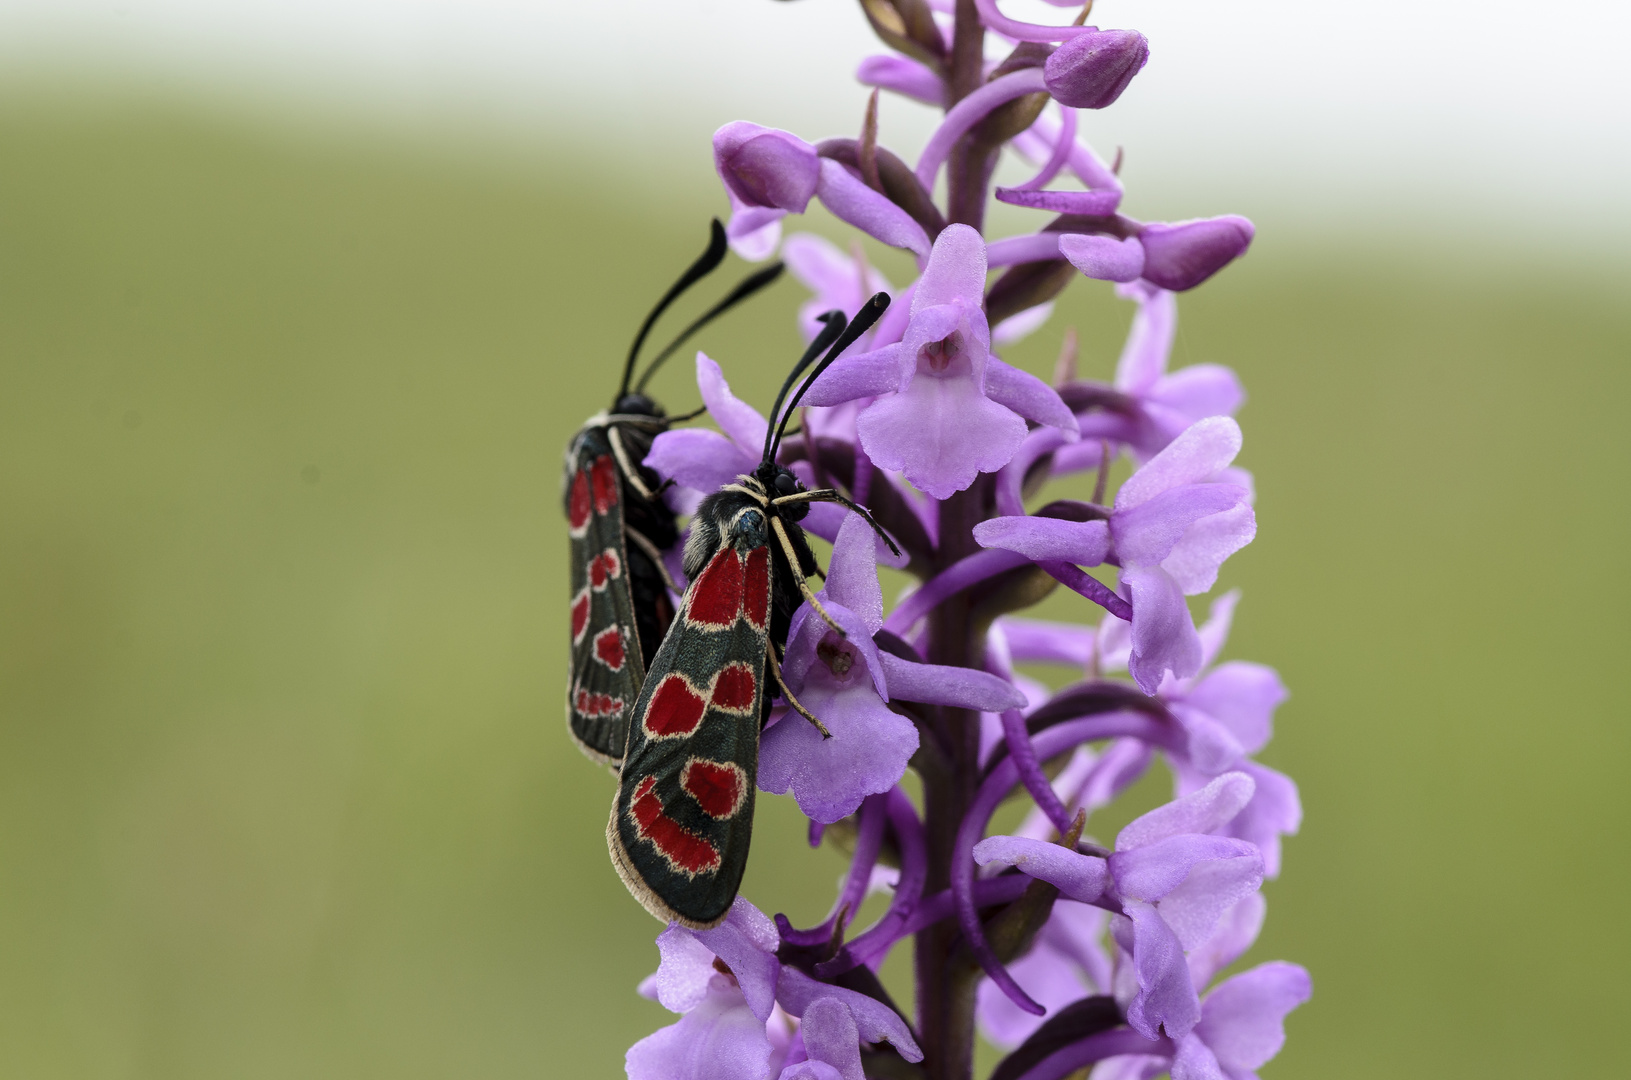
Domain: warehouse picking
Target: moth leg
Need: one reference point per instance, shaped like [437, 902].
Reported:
[776, 670]
[654, 555]
[829, 495]
[798, 575]
[616, 439]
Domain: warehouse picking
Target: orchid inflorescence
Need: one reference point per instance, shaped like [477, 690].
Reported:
[1068, 951]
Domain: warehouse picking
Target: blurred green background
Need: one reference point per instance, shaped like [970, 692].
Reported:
[284, 786]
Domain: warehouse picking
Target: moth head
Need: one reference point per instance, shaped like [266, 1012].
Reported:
[637, 404]
[779, 481]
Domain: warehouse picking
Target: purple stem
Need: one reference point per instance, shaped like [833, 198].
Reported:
[970, 111]
[1060, 155]
[1089, 586]
[914, 870]
[952, 580]
[1096, 1047]
[997, 890]
[1054, 740]
[1011, 478]
[868, 839]
[1023, 754]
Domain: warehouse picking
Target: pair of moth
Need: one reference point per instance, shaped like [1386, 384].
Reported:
[674, 698]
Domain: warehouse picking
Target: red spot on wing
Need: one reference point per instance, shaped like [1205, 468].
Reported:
[735, 689]
[716, 595]
[756, 588]
[717, 786]
[609, 648]
[603, 568]
[580, 615]
[603, 477]
[684, 850]
[577, 504]
[675, 708]
[593, 706]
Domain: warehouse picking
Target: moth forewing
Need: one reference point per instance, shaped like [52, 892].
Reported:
[606, 632]
[682, 822]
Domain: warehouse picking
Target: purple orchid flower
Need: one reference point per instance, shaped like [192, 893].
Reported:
[848, 682]
[912, 413]
[1172, 527]
[769, 174]
[1172, 882]
[725, 1028]
[735, 999]
[946, 409]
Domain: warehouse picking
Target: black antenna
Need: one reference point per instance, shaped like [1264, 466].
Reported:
[832, 325]
[746, 288]
[869, 314]
[696, 272]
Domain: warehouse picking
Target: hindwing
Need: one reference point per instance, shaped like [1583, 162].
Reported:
[683, 818]
[606, 662]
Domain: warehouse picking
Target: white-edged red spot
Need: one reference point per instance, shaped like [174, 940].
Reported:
[681, 848]
[716, 594]
[578, 505]
[603, 479]
[735, 690]
[603, 568]
[675, 708]
[718, 786]
[593, 706]
[580, 615]
[609, 648]
[756, 588]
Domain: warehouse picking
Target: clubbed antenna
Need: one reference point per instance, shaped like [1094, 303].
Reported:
[746, 288]
[869, 314]
[832, 325]
[698, 270]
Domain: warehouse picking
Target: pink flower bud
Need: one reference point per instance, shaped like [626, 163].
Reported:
[1092, 69]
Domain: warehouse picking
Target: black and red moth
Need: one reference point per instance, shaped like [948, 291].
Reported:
[680, 827]
[620, 529]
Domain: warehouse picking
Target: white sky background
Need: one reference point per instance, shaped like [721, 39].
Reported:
[1493, 115]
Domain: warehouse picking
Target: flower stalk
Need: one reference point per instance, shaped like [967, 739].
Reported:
[1066, 948]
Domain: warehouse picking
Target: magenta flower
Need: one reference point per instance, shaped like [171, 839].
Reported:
[735, 999]
[769, 173]
[1172, 882]
[1172, 527]
[848, 682]
[1115, 974]
[947, 410]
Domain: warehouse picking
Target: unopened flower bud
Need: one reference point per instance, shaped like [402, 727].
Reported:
[1092, 69]
[1183, 254]
[765, 167]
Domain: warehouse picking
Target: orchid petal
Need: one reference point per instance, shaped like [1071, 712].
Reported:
[736, 418]
[1079, 877]
[1242, 697]
[906, 77]
[1194, 456]
[861, 375]
[697, 458]
[1086, 543]
[941, 433]
[851, 200]
[1027, 395]
[1194, 560]
[1166, 999]
[956, 270]
[719, 1039]
[1147, 533]
[1204, 811]
[875, 1021]
[1149, 340]
[958, 687]
[1104, 258]
[1243, 1020]
[1163, 635]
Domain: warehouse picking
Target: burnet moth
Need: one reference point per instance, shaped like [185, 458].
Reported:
[620, 530]
[680, 827]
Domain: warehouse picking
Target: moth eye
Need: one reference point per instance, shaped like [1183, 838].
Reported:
[787, 484]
